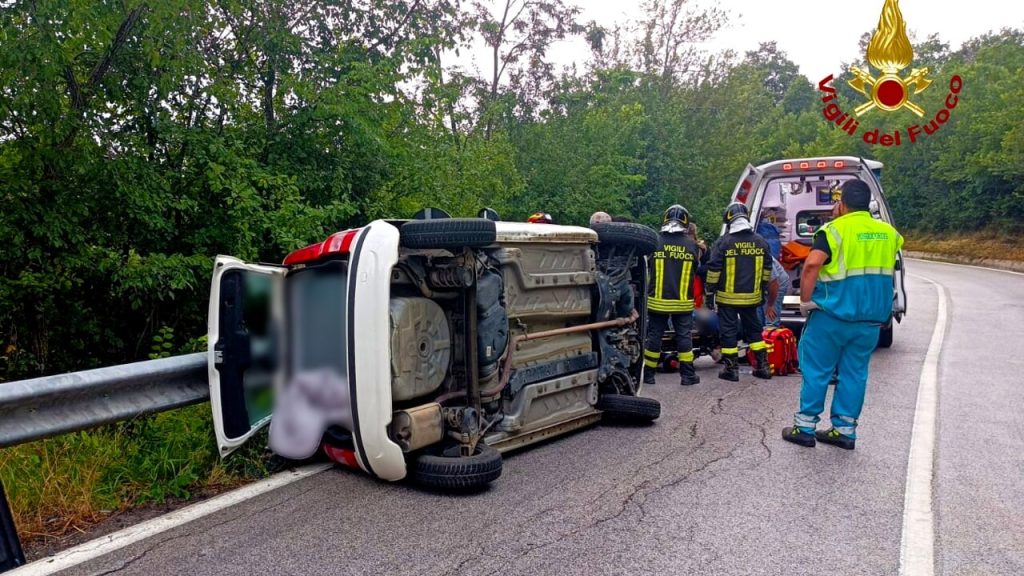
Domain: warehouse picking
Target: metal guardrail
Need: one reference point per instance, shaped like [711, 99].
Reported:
[52, 405]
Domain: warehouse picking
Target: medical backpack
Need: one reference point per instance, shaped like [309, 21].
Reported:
[782, 351]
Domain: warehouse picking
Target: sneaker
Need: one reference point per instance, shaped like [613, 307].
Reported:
[835, 438]
[796, 436]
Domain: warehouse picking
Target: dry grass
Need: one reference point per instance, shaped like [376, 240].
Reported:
[982, 245]
[67, 484]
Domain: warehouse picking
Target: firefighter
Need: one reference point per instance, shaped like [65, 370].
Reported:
[846, 294]
[670, 297]
[739, 271]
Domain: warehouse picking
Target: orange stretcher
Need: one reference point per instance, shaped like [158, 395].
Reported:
[793, 254]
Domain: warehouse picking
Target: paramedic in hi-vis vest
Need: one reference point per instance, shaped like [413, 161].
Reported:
[846, 291]
[670, 296]
[739, 271]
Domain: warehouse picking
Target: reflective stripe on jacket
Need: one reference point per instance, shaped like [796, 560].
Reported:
[740, 269]
[673, 268]
[857, 283]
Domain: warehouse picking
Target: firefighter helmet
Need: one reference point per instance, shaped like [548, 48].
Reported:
[733, 211]
[489, 214]
[676, 213]
[540, 218]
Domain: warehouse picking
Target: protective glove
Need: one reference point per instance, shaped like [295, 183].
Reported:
[709, 300]
[807, 307]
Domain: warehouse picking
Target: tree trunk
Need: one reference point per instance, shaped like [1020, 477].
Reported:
[269, 80]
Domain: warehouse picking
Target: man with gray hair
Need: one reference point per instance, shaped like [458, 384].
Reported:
[599, 218]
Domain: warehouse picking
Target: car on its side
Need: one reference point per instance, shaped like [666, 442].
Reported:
[797, 196]
[428, 347]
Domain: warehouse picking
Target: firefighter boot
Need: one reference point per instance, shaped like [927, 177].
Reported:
[731, 371]
[764, 369]
[687, 375]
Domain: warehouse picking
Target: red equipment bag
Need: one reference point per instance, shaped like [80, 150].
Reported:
[782, 352]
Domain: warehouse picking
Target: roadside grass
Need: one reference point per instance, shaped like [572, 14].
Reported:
[993, 245]
[66, 484]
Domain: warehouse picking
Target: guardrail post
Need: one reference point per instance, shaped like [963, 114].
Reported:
[11, 555]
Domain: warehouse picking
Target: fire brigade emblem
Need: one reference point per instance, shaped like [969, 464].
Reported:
[890, 52]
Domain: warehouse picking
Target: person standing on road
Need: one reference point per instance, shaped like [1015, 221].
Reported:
[846, 292]
[670, 297]
[778, 288]
[739, 271]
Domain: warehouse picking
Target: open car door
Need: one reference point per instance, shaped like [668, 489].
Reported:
[871, 170]
[746, 184]
[742, 192]
[899, 307]
[244, 356]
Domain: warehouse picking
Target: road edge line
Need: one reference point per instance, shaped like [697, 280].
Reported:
[961, 265]
[917, 543]
[115, 541]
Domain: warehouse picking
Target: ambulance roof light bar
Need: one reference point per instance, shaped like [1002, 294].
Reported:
[820, 164]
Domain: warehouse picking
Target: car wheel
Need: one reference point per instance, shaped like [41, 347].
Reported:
[448, 233]
[885, 337]
[628, 234]
[447, 470]
[629, 408]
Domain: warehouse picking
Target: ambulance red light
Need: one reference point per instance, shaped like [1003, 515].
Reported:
[805, 165]
[839, 164]
[787, 167]
[822, 164]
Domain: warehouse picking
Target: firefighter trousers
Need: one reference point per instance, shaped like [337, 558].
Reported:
[657, 323]
[731, 321]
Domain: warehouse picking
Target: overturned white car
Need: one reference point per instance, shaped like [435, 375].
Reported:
[428, 347]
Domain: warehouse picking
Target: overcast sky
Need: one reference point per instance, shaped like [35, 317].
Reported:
[818, 35]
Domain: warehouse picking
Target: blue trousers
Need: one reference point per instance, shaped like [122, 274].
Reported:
[763, 310]
[828, 344]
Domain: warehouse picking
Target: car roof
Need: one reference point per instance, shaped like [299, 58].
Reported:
[529, 232]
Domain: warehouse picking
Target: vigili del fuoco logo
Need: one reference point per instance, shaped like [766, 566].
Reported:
[890, 52]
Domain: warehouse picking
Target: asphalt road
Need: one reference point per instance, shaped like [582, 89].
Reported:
[711, 488]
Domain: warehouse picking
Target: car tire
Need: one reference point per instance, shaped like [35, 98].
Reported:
[628, 234]
[629, 408]
[446, 470]
[448, 233]
[885, 337]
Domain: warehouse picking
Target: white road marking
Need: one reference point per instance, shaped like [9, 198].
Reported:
[917, 546]
[944, 263]
[132, 534]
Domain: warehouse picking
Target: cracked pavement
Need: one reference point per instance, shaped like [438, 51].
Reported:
[710, 488]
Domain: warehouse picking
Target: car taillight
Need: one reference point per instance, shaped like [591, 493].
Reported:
[307, 254]
[338, 243]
